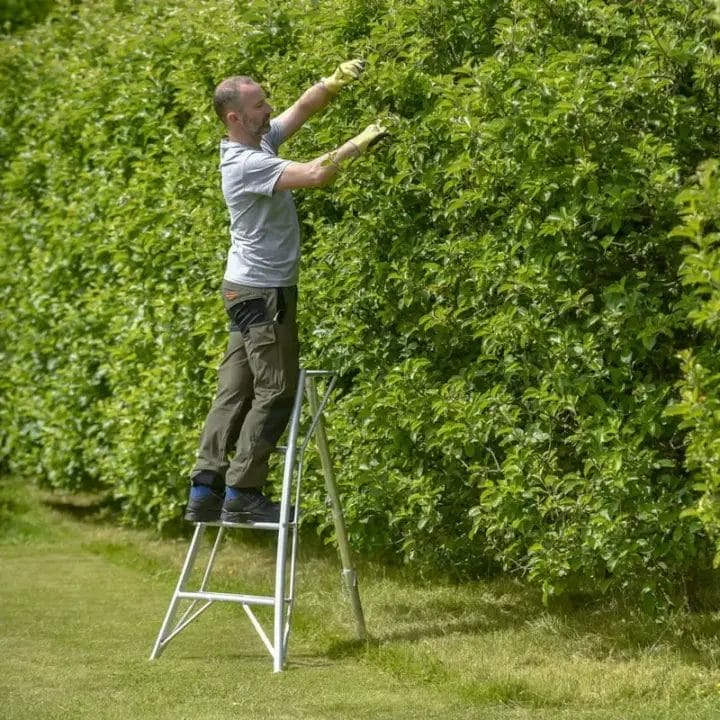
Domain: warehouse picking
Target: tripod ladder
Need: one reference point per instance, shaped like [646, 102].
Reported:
[283, 598]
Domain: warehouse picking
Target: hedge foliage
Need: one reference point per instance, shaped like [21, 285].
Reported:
[16, 14]
[524, 314]
[699, 402]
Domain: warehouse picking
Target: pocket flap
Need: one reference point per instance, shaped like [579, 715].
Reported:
[261, 334]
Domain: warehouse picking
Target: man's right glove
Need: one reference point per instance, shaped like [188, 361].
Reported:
[369, 136]
[345, 73]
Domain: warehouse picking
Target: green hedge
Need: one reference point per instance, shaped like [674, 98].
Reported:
[498, 285]
[699, 402]
[18, 14]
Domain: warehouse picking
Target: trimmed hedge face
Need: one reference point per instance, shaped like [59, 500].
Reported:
[497, 285]
[699, 402]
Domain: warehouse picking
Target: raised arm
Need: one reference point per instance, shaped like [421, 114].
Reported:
[324, 169]
[318, 96]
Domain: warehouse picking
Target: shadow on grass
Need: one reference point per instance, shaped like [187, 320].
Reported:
[84, 508]
[693, 637]
[20, 520]
[473, 609]
[294, 662]
[604, 631]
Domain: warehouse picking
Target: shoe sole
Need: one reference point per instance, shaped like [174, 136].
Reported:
[250, 517]
[238, 517]
[202, 517]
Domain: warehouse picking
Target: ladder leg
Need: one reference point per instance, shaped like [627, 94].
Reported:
[349, 575]
[279, 636]
[184, 575]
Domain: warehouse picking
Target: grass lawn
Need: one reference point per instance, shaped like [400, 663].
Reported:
[81, 603]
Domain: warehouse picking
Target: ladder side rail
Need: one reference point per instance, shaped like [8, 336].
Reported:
[294, 544]
[280, 565]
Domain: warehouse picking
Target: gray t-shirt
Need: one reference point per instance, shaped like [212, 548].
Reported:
[264, 229]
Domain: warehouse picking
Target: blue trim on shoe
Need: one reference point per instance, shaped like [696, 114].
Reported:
[204, 504]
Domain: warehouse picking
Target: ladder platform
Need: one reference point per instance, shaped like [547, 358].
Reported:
[248, 525]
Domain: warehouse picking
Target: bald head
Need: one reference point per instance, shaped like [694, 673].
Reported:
[229, 95]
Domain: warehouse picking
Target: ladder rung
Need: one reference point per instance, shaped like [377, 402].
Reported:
[249, 525]
[229, 597]
[258, 525]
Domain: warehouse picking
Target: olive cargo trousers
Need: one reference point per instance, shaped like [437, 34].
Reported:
[257, 379]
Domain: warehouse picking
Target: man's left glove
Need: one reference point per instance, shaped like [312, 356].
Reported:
[345, 73]
[369, 136]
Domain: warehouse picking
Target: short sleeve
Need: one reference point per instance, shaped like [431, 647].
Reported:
[274, 136]
[261, 172]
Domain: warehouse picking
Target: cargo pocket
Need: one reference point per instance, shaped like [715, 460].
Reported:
[261, 334]
[263, 352]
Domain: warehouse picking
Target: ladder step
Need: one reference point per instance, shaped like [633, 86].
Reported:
[249, 525]
[257, 525]
[268, 600]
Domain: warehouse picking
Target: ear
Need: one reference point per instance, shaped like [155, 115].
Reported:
[232, 117]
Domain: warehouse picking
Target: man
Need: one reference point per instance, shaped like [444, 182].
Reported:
[258, 374]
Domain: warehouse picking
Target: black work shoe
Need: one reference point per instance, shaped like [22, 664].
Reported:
[244, 505]
[204, 504]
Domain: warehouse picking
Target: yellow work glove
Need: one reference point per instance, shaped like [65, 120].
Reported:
[369, 136]
[345, 73]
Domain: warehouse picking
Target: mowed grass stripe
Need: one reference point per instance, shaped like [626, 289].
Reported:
[81, 603]
[77, 630]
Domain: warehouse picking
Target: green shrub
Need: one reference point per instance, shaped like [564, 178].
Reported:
[699, 403]
[496, 285]
[18, 14]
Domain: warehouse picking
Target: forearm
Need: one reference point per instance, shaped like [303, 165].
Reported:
[318, 96]
[328, 165]
[346, 151]
[315, 99]
[324, 169]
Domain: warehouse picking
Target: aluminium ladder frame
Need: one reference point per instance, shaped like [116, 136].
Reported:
[281, 603]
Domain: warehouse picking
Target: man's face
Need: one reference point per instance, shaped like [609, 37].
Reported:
[256, 111]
